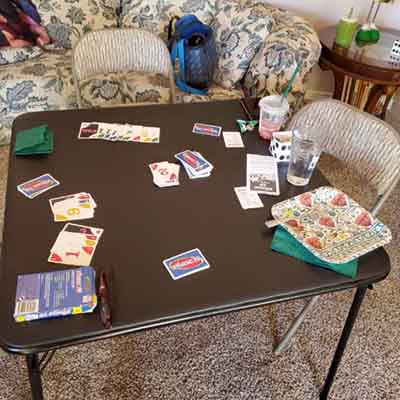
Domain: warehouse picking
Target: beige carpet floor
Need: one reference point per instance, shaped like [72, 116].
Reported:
[230, 356]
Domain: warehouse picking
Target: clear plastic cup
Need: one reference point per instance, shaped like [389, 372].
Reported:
[304, 155]
[273, 113]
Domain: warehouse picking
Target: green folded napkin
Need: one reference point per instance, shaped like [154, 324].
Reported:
[285, 243]
[37, 140]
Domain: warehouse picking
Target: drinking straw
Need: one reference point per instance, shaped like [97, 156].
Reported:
[290, 83]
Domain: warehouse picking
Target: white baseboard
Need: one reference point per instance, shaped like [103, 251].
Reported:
[312, 95]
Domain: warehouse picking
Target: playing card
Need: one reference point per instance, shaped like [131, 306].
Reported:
[247, 198]
[135, 132]
[108, 131]
[193, 174]
[165, 174]
[150, 135]
[232, 139]
[73, 207]
[196, 166]
[89, 130]
[196, 162]
[118, 132]
[206, 129]
[186, 263]
[75, 245]
[38, 185]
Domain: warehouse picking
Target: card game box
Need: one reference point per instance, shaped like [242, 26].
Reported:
[55, 294]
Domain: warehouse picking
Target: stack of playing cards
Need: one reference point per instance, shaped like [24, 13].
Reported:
[36, 186]
[207, 130]
[75, 245]
[119, 132]
[165, 174]
[73, 207]
[195, 164]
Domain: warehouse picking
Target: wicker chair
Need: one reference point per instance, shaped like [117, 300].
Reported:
[120, 50]
[361, 141]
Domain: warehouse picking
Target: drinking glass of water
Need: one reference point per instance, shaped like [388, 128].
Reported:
[304, 155]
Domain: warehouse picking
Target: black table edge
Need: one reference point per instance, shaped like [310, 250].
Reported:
[200, 314]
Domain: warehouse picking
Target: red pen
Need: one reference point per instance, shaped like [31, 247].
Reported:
[105, 308]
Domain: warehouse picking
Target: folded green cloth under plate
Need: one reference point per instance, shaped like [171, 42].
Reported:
[283, 242]
[37, 140]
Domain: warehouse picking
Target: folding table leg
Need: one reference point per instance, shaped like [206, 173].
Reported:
[351, 317]
[35, 377]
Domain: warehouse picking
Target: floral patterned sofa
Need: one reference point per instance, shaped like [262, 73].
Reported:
[258, 49]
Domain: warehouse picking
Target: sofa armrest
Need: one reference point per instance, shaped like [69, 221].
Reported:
[292, 40]
[13, 55]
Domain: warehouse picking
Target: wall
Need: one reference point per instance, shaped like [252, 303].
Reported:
[327, 12]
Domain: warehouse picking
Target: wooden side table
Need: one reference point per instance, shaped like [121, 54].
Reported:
[362, 74]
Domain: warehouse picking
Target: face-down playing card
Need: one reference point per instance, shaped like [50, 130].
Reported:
[186, 263]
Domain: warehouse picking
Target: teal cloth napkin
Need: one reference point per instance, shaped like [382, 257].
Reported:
[36, 140]
[285, 243]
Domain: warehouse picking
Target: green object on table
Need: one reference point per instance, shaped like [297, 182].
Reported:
[283, 242]
[246, 126]
[37, 140]
[345, 30]
[368, 34]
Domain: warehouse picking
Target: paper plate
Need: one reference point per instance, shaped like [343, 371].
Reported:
[331, 225]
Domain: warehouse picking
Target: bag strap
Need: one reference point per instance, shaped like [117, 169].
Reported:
[178, 51]
[171, 26]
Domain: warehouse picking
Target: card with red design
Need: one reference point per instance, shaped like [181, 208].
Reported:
[165, 174]
[75, 245]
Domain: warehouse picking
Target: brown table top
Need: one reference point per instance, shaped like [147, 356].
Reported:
[376, 55]
[144, 224]
[372, 61]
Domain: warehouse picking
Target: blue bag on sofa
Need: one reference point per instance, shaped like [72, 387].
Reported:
[193, 53]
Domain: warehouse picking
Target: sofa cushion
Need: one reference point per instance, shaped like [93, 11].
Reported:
[215, 93]
[42, 83]
[154, 16]
[13, 55]
[240, 30]
[67, 20]
[293, 40]
[112, 89]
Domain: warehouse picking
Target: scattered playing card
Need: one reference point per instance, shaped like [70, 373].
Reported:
[186, 263]
[38, 185]
[150, 135]
[248, 199]
[195, 164]
[206, 129]
[75, 245]
[73, 207]
[233, 139]
[165, 174]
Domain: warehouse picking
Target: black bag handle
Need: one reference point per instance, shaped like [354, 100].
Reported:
[171, 25]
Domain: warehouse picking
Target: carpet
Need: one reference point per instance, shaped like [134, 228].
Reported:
[230, 356]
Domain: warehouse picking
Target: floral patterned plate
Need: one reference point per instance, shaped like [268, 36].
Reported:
[331, 225]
